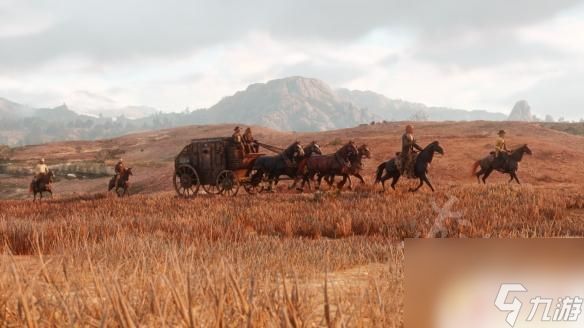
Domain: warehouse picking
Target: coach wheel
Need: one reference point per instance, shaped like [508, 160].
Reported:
[211, 189]
[255, 185]
[227, 183]
[186, 181]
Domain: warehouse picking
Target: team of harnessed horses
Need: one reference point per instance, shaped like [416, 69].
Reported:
[307, 164]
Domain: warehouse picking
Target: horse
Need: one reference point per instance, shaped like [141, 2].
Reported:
[123, 182]
[509, 165]
[281, 164]
[325, 165]
[311, 150]
[421, 163]
[42, 184]
[353, 170]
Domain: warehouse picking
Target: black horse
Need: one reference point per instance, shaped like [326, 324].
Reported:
[282, 164]
[423, 159]
[509, 164]
[42, 184]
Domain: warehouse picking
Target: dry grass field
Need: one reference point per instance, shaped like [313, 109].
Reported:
[86, 258]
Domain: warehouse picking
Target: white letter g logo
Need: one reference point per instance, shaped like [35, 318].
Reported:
[514, 307]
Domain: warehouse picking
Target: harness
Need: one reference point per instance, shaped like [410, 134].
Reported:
[288, 161]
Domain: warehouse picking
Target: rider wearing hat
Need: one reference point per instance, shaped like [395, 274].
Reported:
[500, 146]
[119, 169]
[408, 145]
[500, 149]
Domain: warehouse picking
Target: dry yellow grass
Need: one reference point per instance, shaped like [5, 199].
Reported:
[332, 259]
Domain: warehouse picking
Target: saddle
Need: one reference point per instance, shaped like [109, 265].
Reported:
[409, 170]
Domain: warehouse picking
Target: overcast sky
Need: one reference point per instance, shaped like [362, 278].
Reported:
[172, 54]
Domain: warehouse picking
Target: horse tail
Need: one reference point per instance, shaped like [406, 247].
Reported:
[380, 169]
[475, 166]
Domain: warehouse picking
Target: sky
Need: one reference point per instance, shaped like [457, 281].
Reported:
[175, 54]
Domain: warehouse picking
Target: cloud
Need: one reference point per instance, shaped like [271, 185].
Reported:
[117, 30]
[177, 53]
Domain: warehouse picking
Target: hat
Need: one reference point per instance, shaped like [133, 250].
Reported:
[409, 128]
[236, 128]
[501, 132]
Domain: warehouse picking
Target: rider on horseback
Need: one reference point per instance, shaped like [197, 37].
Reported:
[119, 169]
[501, 150]
[407, 153]
[40, 170]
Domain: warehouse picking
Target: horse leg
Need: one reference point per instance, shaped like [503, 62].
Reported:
[514, 175]
[319, 181]
[418, 187]
[486, 175]
[427, 181]
[395, 180]
[384, 178]
[341, 183]
[478, 175]
[330, 180]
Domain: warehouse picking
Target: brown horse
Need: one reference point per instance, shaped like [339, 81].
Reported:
[123, 182]
[313, 149]
[42, 184]
[354, 170]
[327, 164]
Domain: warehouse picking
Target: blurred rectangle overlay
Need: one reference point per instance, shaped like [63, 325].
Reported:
[489, 283]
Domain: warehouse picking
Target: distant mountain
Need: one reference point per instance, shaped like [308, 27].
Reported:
[10, 110]
[521, 112]
[293, 104]
[399, 110]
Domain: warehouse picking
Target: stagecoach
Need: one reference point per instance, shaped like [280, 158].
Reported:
[217, 165]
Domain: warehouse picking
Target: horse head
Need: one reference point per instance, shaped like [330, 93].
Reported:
[436, 148]
[526, 150]
[349, 150]
[312, 149]
[129, 171]
[295, 150]
[364, 151]
[50, 176]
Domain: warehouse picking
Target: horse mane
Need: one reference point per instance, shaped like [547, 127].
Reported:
[514, 150]
[432, 144]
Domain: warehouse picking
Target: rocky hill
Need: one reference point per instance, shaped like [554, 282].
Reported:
[400, 110]
[290, 104]
[521, 112]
